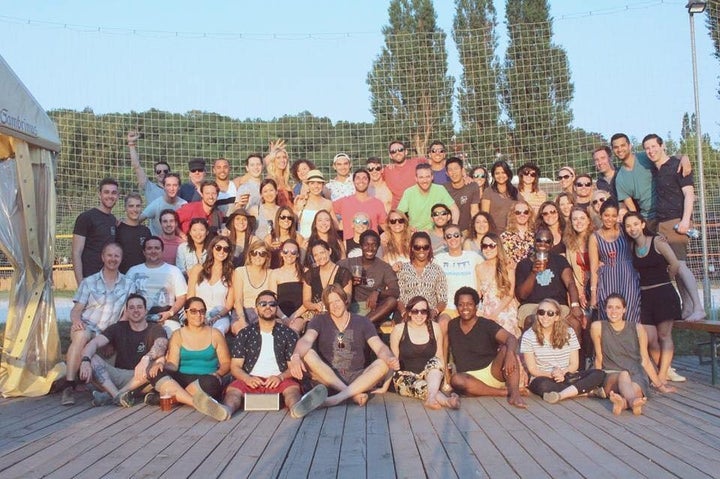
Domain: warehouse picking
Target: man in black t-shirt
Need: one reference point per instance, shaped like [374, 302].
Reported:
[93, 228]
[137, 345]
[130, 234]
[484, 353]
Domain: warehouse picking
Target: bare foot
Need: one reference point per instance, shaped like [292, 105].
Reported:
[432, 404]
[517, 401]
[453, 401]
[361, 399]
[378, 391]
[524, 392]
[619, 403]
[637, 405]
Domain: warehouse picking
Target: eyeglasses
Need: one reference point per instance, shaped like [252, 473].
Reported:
[374, 168]
[549, 313]
[580, 184]
[437, 151]
[265, 304]
[285, 217]
[599, 200]
[194, 311]
[197, 170]
[421, 247]
[544, 240]
[479, 175]
[564, 177]
[341, 340]
[488, 246]
[359, 221]
[424, 312]
[162, 172]
[529, 173]
[452, 235]
[293, 252]
[397, 150]
[548, 213]
[522, 212]
[440, 213]
[395, 221]
[259, 253]
[220, 248]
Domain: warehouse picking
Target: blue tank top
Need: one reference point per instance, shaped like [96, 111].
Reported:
[198, 361]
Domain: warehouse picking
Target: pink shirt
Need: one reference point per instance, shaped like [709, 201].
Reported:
[400, 178]
[347, 208]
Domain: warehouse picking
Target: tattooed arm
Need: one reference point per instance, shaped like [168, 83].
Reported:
[157, 351]
[86, 369]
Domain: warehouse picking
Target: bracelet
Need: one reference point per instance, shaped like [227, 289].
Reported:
[575, 305]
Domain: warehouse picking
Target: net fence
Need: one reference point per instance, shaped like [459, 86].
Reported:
[516, 107]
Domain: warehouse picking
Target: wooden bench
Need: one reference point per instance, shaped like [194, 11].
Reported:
[713, 329]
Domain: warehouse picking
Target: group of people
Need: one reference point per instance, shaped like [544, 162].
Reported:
[421, 275]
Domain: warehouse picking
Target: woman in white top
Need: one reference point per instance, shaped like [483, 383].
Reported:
[212, 281]
[307, 207]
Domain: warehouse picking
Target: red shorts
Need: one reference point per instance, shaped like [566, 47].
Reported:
[279, 389]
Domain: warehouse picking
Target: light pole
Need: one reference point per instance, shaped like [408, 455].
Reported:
[694, 7]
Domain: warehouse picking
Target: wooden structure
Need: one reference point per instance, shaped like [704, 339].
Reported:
[679, 436]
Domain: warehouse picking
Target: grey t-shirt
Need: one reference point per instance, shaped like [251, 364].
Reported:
[350, 358]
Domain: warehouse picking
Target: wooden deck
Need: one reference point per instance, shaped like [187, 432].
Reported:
[679, 436]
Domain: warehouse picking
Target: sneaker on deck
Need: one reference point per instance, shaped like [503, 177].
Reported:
[101, 399]
[68, 396]
[312, 400]
[673, 376]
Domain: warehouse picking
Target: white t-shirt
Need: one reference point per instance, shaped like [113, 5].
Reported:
[266, 364]
[459, 271]
[160, 286]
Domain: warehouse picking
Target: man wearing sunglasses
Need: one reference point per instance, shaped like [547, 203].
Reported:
[378, 188]
[400, 173]
[437, 153]
[417, 201]
[376, 291]
[161, 169]
[583, 189]
[259, 363]
[360, 202]
[440, 216]
[547, 275]
[190, 191]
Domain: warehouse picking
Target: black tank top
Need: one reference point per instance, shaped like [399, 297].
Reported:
[653, 268]
[414, 357]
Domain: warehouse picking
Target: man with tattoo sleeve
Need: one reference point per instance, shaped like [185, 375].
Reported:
[137, 345]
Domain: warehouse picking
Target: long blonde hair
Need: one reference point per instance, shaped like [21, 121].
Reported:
[281, 177]
[393, 249]
[559, 336]
[573, 240]
[502, 275]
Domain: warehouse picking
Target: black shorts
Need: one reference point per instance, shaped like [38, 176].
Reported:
[659, 304]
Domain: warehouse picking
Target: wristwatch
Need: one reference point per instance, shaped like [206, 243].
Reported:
[575, 305]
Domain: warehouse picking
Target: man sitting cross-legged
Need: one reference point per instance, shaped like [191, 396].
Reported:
[259, 364]
[484, 353]
[339, 359]
[137, 344]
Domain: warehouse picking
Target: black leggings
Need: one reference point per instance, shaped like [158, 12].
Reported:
[208, 382]
[584, 381]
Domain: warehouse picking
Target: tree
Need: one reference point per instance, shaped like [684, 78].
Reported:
[478, 93]
[537, 90]
[713, 17]
[411, 93]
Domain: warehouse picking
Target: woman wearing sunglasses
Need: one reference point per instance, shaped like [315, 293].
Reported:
[212, 282]
[197, 359]
[598, 198]
[549, 217]
[529, 185]
[518, 238]
[284, 228]
[422, 277]
[418, 343]
[551, 352]
[248, 282]
[287, 280]
[480, 224]
[479, 175]
[496, 285]
[395, 241]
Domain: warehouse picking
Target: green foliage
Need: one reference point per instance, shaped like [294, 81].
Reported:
[478, 92]
[713, 16]
[536, 94]
[411, 93]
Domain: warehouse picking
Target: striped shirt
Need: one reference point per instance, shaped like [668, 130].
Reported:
[546, 356]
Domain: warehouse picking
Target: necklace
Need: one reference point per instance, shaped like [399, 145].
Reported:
[247, 271]
[642, 250]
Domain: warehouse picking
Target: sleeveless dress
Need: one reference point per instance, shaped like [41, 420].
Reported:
[263, 227]
[289, 296]
[416, 360]
[508, 318]
[250, 292]
[621, 352]
[305, 222]
[617, 275]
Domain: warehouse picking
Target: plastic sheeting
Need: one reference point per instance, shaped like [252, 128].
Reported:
[30, 359]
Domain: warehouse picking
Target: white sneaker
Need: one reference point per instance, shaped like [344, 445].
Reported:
[673, 376]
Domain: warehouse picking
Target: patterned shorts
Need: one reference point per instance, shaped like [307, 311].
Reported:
[414, 385]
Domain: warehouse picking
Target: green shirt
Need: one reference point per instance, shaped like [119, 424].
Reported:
[418, 205]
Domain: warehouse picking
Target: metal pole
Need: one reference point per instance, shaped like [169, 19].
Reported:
[701, 174]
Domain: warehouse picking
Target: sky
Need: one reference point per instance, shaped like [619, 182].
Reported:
[630, 59]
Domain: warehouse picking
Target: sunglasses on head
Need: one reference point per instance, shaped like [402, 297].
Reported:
[359, 221]
[374, 168]
[285, 217]
[259, 253]
[395, 221]
[197, 170]
[452, 235]
[580, 184]
[424, 312]
[440, 213]
[547, 312]
[421, 247]
[265, 304]
[397, 150]
[564, 177]
[220, 248]
[488, 246]
[522, 212]
[161, 172]
[293, 252]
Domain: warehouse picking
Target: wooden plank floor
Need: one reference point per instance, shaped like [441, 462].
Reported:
[679, 436]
